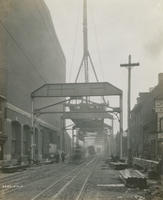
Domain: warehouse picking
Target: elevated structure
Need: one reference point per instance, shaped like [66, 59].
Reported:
[94, 124]
[76, 90]
[84, 117]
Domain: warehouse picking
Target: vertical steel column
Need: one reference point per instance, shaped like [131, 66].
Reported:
[62, 134]
[72, 139]
[111, 138]
[77, 138]
[22, 143]
[33, 132]
[121, 126]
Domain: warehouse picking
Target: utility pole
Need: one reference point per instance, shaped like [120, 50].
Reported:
[129, 66]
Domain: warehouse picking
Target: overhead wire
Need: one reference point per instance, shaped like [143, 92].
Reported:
[39, 4]
[76, 33]
[74, 47]
[22, 50]
[98, 52]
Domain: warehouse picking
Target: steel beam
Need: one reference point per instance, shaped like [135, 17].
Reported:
[76, 90]
[75, 116]
[80, 115]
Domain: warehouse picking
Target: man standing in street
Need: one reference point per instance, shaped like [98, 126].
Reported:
[63, 156]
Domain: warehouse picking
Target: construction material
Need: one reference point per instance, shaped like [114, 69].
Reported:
[133, 178]
[150, 166]
[14, 168]
[118, 165]
[145, 164]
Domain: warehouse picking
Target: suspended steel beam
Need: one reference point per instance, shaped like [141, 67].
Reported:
[92, 116]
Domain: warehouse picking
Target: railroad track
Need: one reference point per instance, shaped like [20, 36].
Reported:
[35, 176]
[14, 182]
[22, 173]
[70, 186]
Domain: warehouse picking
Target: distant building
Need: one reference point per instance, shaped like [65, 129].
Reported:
[146, 124]
[30, 55]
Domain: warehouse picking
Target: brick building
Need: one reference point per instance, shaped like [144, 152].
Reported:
[146, 124]
[30, 55]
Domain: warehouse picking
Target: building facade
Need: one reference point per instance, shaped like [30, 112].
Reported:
[30, 56]
[146, 124]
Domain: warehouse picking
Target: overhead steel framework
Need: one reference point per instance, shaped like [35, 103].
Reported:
[76, 90]
[86, 115]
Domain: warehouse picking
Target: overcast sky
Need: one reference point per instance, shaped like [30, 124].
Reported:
[116, 28]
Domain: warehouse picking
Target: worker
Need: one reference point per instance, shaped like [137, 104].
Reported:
[63, 156]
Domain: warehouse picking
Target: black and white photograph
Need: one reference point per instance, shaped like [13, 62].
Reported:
[81, 100]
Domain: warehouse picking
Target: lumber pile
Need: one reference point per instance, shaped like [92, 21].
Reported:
[118, 165]
[133, 178]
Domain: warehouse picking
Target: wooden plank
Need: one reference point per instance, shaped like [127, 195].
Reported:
[118, 165]
[133, 178]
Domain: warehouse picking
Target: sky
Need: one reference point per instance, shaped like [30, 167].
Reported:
[116, 29]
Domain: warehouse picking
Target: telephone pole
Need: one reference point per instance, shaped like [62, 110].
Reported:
[129, 66]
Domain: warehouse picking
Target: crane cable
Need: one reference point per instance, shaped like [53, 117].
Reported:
[74, 47]
[98, 52]
[97, 44]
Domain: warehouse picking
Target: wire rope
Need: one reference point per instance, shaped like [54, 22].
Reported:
[74, 47]
[98, 52]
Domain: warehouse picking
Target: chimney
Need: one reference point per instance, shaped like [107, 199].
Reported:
[160, 78]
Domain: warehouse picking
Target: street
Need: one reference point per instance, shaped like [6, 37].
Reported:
[74, 125]
[92, 179]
